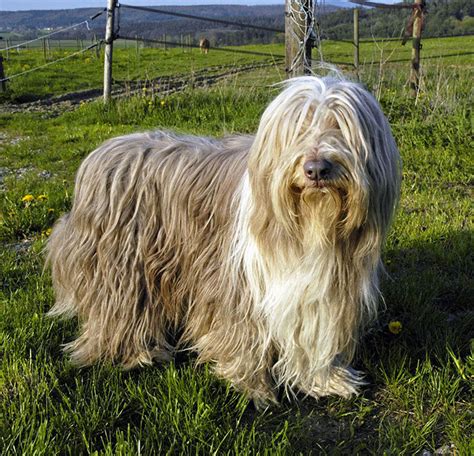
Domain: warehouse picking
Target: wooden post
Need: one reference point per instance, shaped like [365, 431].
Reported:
[97, 47]
[3, 85]
[416, 46]
[298, 20]
[44, 48]
[356, 41]
[109, 45]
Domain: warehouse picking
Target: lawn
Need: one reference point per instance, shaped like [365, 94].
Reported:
[419, 375]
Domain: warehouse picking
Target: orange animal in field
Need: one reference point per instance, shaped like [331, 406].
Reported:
[204, 45]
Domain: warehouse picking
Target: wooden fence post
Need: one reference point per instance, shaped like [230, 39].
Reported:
[356, 41]
[109, 43]
[415, 51]
[3, 85]
[298, 21]
[97, 47]
[44, 49]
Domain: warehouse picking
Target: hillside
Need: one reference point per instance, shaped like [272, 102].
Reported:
[444, 18]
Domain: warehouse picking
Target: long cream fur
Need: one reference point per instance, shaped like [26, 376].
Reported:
[266, 274]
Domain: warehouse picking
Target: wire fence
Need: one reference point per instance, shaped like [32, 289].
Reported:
[312, 34]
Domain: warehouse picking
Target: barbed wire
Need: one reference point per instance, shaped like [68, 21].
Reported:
[196, 46]
[88, 48]
[24, 43]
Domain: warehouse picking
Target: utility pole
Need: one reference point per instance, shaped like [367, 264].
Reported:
[418, 8]
[299, 36]
[109, 44]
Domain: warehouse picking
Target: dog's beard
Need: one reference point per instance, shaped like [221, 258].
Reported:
[292, 275]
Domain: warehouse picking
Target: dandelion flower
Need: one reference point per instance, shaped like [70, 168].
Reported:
[42, 197]
[47, 232]
[28, 198]
[162, 102]
[395, 327]
[50, 210]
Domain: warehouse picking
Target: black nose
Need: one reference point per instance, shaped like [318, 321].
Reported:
[317, 169]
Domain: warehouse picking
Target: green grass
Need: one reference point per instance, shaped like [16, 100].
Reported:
[85, 70]
[419, 392]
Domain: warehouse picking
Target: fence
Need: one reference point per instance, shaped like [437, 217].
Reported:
[49, 43]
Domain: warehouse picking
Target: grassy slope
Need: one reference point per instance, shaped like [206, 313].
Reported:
[418, 393]
[85, 71]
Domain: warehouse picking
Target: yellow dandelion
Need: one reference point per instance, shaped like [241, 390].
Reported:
[42, 197]
[50, 210]
[28, 198]
[47, 232]
[395, 327]
[162, 102]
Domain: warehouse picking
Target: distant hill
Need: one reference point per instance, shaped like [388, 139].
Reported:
[444, 17]
[151, 25]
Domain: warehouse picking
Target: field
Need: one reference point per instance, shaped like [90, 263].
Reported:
[418, 356]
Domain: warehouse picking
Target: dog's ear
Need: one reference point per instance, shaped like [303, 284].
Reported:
[376, 158]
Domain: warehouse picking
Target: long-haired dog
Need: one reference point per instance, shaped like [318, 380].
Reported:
[262, 252]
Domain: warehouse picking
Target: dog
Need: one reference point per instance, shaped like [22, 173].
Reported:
[261, 252]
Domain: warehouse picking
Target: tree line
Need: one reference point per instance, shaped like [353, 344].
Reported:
[443, 18]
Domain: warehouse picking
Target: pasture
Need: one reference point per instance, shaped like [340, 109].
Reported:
[418, 356]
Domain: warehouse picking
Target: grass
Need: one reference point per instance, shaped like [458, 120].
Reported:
[419, 392]
[85, 70]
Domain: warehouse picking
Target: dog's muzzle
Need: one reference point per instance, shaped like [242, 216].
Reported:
[318, 171]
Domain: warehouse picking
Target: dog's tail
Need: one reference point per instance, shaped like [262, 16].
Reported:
[97, 260]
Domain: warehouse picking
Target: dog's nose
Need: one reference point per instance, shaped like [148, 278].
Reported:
[317, 169]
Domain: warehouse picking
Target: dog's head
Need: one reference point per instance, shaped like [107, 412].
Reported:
[325, 158]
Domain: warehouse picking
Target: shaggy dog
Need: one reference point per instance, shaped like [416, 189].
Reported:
[262, 252]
